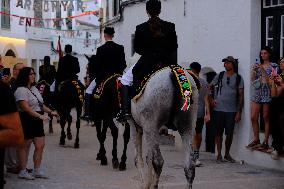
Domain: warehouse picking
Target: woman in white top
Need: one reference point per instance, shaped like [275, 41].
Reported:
[31, 109]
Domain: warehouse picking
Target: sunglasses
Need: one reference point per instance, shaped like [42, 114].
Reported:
[228, 80]
[33, 73]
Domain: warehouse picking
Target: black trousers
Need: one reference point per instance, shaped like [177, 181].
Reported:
[277, 122]
[2, 155]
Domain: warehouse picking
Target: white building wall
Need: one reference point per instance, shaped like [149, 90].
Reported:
[37, 41]
[208, 31]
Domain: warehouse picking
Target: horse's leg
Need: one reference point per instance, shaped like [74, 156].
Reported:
[62, 124]
[103, 151]
[154, 159]
[101, 134]
[69, 121]
[114, 133]
[190, 157]
[126, 137]
[138, 152]
[79, 111]
[50, 123]
[98, 124]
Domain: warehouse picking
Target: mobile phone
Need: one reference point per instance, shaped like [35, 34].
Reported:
[274, 72]
[6, 71]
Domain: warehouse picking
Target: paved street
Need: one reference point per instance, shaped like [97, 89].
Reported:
[70, 168]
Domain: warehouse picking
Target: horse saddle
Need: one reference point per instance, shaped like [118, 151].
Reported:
[98, 91]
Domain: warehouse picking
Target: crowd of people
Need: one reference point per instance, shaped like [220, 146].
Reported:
[220, 101]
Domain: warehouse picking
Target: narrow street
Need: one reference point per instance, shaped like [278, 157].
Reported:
[70, 168]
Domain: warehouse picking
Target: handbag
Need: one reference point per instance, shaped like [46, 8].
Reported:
[256, 84]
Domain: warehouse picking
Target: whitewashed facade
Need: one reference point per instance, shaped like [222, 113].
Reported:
[209, 30]
[31, 44]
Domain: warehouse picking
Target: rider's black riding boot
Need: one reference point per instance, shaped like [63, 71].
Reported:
[125, 112]
[87, 114]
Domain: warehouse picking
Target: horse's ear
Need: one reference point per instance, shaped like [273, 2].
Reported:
[87, 57]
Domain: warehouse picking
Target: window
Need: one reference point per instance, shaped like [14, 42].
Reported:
[132, 44]
[269, 31]
[38, 13]
[272, 3]
[58, 15]
[115, 7]
[273, 27]
[5, 19]
[69, 20]
[107, 10]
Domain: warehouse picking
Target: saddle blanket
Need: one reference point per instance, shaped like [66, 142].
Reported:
[183, 84]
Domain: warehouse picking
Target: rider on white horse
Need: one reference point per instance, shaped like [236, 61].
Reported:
[156, 42]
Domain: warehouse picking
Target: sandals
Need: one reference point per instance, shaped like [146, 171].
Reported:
[253, 144]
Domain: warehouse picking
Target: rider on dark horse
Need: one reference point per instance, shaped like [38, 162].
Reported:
[109, 60]
[46, 71]
[68, 68]
[156, 42]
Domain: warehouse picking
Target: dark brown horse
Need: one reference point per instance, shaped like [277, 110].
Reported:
[70, 95]
[105, 109]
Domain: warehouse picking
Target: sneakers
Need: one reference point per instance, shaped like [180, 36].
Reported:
[38, 173]
[274, 155]
[198, 163]
[219, 159]
[24, 174]
[228, 158]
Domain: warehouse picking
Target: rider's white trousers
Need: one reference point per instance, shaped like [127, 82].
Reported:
[127, 77]
[91, 87]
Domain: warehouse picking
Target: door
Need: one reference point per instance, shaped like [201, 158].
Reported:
[273, 26]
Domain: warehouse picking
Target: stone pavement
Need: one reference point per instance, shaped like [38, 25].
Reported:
[70, 168]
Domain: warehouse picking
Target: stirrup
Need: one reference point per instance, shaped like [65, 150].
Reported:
[122, 117]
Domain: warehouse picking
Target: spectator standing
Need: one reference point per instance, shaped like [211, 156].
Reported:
[12, 161]
[16, 69]
[31, 108]
[228, 104]
[203, 114]
[277, 112]
[261, 97]
[11, 133]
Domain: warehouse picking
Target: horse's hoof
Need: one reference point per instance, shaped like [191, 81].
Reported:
[76, 145]
[69, 136]
[122, 166]
[103, 161]
[62, 142]
[115, 163]
[99, 156]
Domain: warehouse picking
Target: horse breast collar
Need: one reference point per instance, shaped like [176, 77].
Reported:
[79, 90]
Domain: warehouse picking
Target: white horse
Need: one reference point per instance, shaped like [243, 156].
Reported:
[160, 103]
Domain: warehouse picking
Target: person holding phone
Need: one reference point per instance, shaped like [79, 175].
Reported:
[6, 75]
[31, 109]
[277, 112]
[261, 97]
